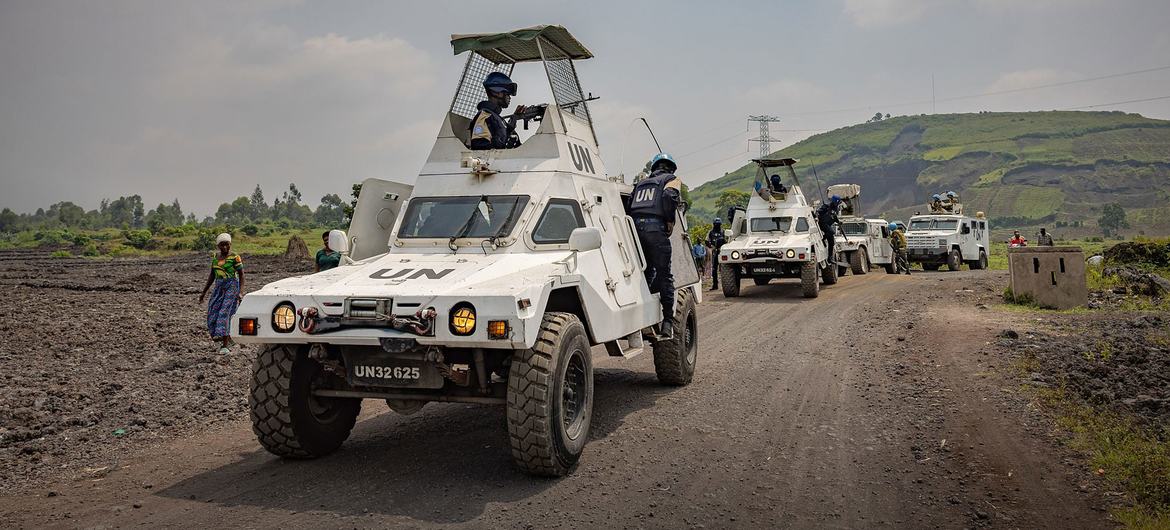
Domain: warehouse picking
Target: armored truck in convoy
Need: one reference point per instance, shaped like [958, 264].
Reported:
[776, 236]
[949, 239]
[863, 243]
[488, 281]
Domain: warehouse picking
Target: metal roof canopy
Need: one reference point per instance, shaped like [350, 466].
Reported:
[521, 45]
[775, 162]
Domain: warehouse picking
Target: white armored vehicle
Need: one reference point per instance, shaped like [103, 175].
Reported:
[487, 282]
[862, 242]
[775, 237]
[948, 238]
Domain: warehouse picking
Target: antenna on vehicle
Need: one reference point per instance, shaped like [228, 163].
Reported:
[622, 158]
[820, 188]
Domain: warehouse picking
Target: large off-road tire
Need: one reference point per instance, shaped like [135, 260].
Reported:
[550, 398]
[729, 280]
[287, 418]
[830, 273]
[674, 359]
[859, 261]
[810, 279]
[891, 268]
[980, 263]
[954, 260]
[761, 281]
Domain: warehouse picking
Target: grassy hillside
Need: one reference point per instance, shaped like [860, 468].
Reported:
[1037, 168]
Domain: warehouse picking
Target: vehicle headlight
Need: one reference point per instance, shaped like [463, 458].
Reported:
[790, 254]
[734, 254]
[463, 319]
[284, 317]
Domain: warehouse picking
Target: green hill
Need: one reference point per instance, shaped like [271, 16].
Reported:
[1026, 169]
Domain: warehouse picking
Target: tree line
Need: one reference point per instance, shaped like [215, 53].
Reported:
[129, 213]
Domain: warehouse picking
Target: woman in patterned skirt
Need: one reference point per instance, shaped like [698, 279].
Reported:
[227, 273]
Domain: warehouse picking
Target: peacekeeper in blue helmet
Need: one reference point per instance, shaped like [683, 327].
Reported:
[653, 205]
[827, 219]
[490, 130]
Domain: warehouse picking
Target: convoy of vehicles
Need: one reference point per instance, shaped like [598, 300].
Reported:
[486, 282]
[776, 236]
[489, 280]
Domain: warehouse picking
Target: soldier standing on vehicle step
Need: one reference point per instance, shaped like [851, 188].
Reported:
[827, 220]
[715, 239]
[898, 243]
[654, 204]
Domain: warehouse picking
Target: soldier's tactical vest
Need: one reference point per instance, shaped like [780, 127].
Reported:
[646, 200]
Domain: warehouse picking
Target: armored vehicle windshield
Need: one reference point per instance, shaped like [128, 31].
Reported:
[934, 224]
[462, 217]
[772, 224]
[854, 229]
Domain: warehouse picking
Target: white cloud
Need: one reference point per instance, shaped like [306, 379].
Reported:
[1028, 78]
[882, 13]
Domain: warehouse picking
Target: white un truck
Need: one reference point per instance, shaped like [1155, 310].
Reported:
[487, 282]
[776, 236]
[862, 242]
[948, 238]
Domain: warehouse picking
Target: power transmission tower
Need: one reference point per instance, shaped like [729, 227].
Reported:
[765, 139]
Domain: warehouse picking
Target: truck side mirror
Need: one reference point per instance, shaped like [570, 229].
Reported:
[339, 241]
[728, 234]
[584, 239]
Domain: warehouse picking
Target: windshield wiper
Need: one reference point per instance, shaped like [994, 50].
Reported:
[483, 199]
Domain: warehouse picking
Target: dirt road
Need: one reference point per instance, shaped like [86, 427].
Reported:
[879, 404]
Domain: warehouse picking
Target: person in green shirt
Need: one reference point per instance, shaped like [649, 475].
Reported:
[227, 275]
[327, 258]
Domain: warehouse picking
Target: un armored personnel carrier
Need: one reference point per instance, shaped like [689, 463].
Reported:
[948, 238]
[776, 236]
[486, 282]
[863, 242]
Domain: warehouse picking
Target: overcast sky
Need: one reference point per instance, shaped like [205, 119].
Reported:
[201, 101]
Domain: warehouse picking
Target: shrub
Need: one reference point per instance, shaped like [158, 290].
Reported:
[251, 230]
[137, 238]
[205, 240]
[90, 250]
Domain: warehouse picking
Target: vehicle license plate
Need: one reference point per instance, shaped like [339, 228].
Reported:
[764, 270]
[384, 370]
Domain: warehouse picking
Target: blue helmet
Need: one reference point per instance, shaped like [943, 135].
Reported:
[952, 194]
[836, 199]
[936, 197]
[499, 82]
[663, 158]
[893, 226]
[718, 221]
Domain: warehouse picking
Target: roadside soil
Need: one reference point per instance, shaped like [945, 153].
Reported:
[886, 402]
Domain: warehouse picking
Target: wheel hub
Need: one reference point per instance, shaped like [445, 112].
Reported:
[573, 398]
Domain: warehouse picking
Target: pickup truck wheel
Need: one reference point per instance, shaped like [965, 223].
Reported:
[287, 418]
[954, 260]
[810, 281]
[980, 263]
[674, 359]
[729, 280]
[550, 398]
[859, 261]
[761, 281]
[830, 273]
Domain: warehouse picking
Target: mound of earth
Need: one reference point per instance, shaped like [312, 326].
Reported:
[297, 249]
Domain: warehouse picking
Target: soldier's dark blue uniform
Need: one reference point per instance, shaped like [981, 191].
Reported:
[488, 129]
[715, 239]
[653, 205]
[826, 219]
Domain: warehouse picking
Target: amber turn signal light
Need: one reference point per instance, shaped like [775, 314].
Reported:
[498, 329]
[247, 326]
